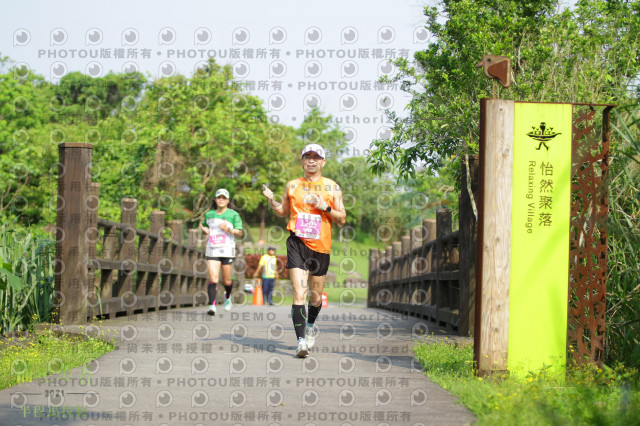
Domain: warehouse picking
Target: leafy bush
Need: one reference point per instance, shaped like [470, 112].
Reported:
[623, 282]
[26, 279]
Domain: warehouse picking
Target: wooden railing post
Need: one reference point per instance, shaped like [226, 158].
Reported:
[93, 234]
[381, 271]
[416, 257]
[443, 227]
[428, 235]
[142, 278]
[396, 250]
[74, 177]
[176, 259]
[127, 254]
[192, 239]
[468, 236]
[108, 276]
[373, 258]
[240, 268]
[388, 276]
[200, 267]
[155, 256]
[405, 243]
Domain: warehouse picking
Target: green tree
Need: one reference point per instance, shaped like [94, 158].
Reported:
[589, 54]
[25, 155]
[79, 97]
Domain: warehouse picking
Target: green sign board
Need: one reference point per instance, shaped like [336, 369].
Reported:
[538, 289]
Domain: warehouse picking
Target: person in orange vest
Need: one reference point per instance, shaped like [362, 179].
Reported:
[269, 266]
[312, 203]
[222, 225]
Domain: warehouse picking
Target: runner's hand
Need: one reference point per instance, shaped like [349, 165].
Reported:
[318, 202]
[267, 192]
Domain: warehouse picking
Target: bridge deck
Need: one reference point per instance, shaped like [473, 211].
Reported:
[182, 367]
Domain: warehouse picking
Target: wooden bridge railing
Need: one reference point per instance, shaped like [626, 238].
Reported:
[111, 268]
[430, 273]
[142, 269]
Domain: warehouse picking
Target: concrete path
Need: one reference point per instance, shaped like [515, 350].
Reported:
[182, 367]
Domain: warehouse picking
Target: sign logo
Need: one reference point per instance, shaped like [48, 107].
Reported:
[543, 135]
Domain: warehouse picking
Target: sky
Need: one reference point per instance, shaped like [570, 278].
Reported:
[292, 54]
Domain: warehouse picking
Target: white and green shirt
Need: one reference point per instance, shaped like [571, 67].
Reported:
[221, 243]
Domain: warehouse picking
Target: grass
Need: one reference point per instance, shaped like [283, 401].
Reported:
[23, 359]
[586, 396]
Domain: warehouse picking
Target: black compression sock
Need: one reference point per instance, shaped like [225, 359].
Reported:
[212, 289]
[313, 313]
[299, 317]
[227, 290]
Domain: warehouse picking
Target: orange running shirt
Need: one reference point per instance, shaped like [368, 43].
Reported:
[297, 190]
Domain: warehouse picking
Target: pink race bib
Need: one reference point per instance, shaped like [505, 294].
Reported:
[217, 239]
[308, 226]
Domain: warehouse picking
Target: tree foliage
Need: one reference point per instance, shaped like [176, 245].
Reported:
[589, 54]
[169, 143]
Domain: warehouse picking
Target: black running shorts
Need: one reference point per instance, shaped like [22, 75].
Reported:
[301, 256]
[223, 260]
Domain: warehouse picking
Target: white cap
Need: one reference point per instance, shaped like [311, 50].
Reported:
[314, 147]
[221, 191]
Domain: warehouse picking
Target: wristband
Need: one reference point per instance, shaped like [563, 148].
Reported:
[324, 206]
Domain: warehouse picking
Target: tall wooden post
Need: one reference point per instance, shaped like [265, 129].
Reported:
[74, 178]
[494, 257]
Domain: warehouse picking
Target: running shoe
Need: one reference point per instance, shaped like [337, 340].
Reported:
[227, 304]
[212, 310]
[302, 350]
[310, 336]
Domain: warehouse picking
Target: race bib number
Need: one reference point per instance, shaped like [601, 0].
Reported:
[217, 237]
[308, 226]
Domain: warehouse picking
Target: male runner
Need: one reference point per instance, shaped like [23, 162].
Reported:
[313, 203]
[222, 225]
[268, 264]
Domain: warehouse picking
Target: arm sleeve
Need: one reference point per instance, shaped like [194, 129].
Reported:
[237, 222]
